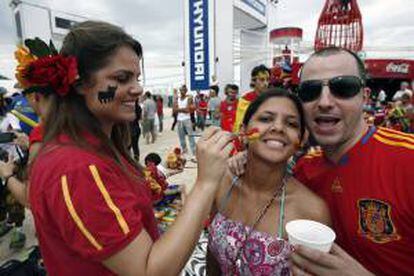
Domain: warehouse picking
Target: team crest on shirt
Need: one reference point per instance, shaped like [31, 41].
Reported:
[336, 186]
[375, 221]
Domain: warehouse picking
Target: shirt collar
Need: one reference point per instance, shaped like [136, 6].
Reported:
[357, 147]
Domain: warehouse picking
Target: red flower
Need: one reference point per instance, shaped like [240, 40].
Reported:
[58, 72]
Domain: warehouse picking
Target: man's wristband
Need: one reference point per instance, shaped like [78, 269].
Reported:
[6, 179]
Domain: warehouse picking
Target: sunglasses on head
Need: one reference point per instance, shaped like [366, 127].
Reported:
[342, 87]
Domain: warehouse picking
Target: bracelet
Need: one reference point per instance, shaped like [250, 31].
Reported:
[6, 179]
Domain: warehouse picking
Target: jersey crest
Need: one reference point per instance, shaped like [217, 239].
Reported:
[336, 186]
[375, 221]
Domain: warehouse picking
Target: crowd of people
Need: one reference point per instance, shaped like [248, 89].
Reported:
[92, 202]
[396, 113]
[19, 115]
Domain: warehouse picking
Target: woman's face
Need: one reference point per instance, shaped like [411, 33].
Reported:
[278, 123]
[113, 90]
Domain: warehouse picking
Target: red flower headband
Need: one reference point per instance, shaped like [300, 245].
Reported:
[41, 69]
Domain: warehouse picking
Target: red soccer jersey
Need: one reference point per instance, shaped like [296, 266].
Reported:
[202, 108]
[228, 114]
[85, 209]
[370, 194]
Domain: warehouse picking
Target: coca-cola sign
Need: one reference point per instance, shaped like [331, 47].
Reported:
[402, 68]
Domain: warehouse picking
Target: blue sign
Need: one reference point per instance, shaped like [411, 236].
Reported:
[199, 45]
[257, 5]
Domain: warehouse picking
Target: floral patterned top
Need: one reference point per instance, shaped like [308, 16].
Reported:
[262, 253]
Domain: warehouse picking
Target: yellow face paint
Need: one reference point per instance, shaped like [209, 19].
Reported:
[253, 137]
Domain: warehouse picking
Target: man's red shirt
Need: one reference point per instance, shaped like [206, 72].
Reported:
[86, 209]
[228, 114]
[370, 194]
[202, 108]
[160, 108]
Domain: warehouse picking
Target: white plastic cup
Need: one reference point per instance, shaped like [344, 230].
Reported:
[310, 233]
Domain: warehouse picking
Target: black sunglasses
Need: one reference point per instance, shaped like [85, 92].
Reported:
[342, 87]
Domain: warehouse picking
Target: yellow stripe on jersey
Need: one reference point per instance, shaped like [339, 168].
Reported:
[396, 131]
[309, 157]
[74, 215]
[393, 142]
[312, 152]
[396, 135]
[312, 155]
[119, 217]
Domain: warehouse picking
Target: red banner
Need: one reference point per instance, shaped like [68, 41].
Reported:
[390, 68]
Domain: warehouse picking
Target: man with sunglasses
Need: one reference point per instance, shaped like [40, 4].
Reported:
[363, 173]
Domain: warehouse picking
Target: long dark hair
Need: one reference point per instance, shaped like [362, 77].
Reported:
[92, 43]
[272, 93]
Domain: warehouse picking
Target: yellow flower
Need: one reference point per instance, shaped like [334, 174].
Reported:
[20, 73]
[24, 58]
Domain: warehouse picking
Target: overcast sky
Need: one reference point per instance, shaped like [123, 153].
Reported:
[158, 24]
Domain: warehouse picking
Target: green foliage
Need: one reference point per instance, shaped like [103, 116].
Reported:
[39, 48]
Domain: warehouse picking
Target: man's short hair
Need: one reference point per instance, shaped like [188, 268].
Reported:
[148, 94]
[232, 87]
[259, 69]
[329, 51]
[215, 88]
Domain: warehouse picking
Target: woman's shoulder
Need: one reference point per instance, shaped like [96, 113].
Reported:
[78, 166]
[66, 156]
[308, 204]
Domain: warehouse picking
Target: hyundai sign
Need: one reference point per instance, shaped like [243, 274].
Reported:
[199, 45]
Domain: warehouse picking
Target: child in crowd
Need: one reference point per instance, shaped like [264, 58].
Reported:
[155, 159]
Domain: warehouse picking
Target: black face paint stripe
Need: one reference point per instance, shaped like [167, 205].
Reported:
[107, 96]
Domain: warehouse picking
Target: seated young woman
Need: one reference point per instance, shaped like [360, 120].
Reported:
[247, 234]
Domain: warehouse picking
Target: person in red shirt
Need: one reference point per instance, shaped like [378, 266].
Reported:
[202, 107]
[228, 107]
[369, 219]
[160, 112]
[90, 201]
[362, 173]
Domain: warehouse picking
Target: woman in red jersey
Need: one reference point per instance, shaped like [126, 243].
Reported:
[91, 207]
